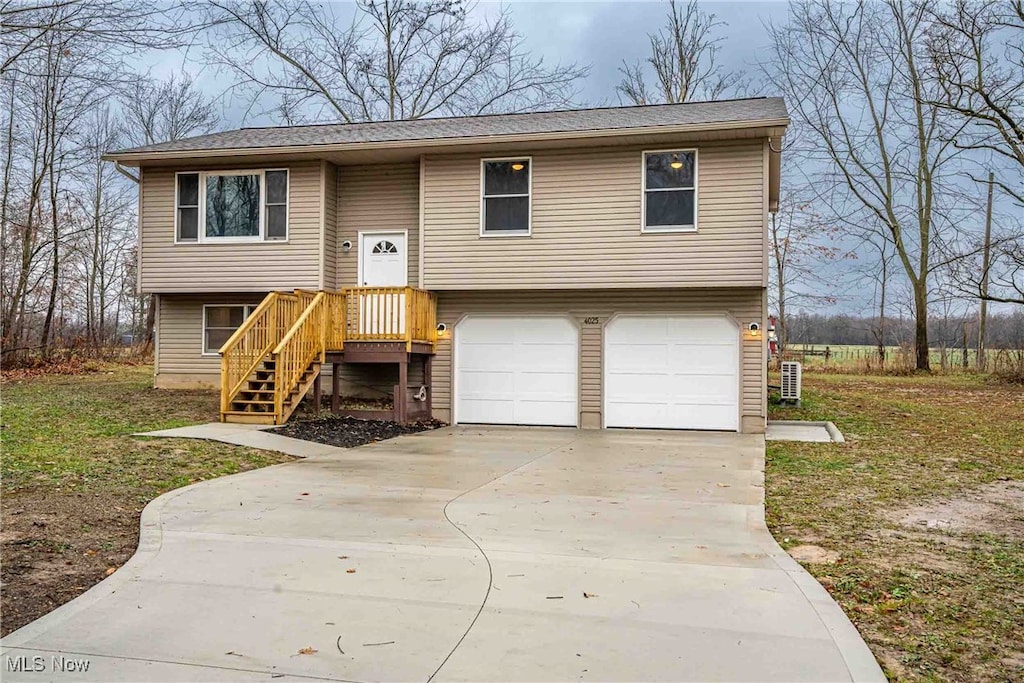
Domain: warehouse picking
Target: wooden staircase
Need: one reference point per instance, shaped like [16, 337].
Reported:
[255, 403]
[271, 361]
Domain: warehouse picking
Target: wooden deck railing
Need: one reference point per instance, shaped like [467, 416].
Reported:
[390, 314]
[244, 350]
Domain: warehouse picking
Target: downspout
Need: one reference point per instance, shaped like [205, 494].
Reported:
[126, 173]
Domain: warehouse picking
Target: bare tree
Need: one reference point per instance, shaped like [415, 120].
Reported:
[158, 111]
[394, 59]
[797, 240]
[684, 59]
[976, 51]
[856, 76]
[25, 26]
[163, 110]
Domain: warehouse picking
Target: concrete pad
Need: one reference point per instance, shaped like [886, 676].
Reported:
[464, 554]
[791, 430]
[252, 436]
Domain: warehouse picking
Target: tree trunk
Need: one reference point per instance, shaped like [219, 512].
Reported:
[150, 321]
[986, 256]
[921, 325]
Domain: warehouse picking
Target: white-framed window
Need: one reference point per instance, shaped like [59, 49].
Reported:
[239, 206]
[505, 186]
[220, 322]
[669, 191]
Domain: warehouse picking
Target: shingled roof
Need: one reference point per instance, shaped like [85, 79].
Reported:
[492, 126]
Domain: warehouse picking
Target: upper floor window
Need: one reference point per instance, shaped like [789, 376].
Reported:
[232, 205]
[505, 197]
[670, 191]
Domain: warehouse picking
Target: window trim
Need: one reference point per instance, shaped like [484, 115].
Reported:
[249, 308]
[529, 198]
[669, 229]
[201, 236]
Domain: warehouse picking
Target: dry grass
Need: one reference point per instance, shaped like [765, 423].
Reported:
[936, 599]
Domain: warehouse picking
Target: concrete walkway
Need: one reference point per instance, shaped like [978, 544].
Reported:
[464, 554]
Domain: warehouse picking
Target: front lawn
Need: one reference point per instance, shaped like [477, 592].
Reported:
[925, 505]
[75, 480]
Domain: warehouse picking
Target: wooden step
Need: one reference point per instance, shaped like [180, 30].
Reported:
[248, 418]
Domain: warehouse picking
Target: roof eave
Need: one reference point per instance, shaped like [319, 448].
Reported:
[135, 158]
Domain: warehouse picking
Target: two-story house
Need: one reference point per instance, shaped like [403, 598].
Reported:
[589, 268]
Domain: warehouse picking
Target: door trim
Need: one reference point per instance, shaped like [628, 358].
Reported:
[376, 233]
[454, 398]
[728, 316]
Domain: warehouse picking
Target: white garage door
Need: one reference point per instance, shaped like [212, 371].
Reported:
[516, 370]
[672, 372]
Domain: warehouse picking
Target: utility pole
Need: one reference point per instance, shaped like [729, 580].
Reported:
[985, 255]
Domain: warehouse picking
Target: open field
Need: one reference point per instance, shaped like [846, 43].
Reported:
[924, 506]
[853, 357]
[75, 480]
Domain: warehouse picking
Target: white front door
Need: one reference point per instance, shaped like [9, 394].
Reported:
[383, 259]
[519, 370]
[672, 372]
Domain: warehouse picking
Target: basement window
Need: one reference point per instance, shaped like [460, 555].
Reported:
[505, 197]
[239, 206]
[670, 191]
[220, 322]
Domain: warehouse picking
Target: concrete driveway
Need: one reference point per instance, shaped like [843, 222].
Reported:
[465, 554]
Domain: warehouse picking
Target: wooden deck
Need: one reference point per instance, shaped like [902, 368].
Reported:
[270, 363]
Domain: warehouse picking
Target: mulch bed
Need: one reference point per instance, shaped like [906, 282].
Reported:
[348, 432]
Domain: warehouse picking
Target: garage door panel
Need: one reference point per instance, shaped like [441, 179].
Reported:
[545, 412]
[543, 356]
[488, 411]
[478, 356]
[638, 386]
[703, 358]
[517, 370]
[691, 381]
[477, 383]
[638, 357]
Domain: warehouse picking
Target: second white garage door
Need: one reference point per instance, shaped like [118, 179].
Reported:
[516, 370]
[672, 372]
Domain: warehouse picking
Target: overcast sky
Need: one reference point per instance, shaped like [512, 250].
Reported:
[601, 35]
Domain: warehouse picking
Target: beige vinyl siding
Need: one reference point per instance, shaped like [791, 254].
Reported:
[230, 266]
[377, 197]
[745, 305]
[330, 255]
[179, 339]
[586, 224]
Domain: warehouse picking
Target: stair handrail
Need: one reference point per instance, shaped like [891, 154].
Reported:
[304, 341]
[246, 348]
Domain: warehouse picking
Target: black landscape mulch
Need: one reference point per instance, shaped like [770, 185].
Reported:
[349, 432]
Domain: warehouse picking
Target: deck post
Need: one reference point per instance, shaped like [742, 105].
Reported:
[401, 407]
[428, 370]
[335, 387]
[317, 394]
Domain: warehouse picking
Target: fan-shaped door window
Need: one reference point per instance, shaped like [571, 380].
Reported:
[385, 247]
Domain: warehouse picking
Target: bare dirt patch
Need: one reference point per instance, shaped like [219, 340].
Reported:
[996, 508]
[813, 554]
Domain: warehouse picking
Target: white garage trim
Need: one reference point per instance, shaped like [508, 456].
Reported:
[456, 418]
[605, 365]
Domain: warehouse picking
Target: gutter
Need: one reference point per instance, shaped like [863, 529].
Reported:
[445, 142]
[122, 170]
